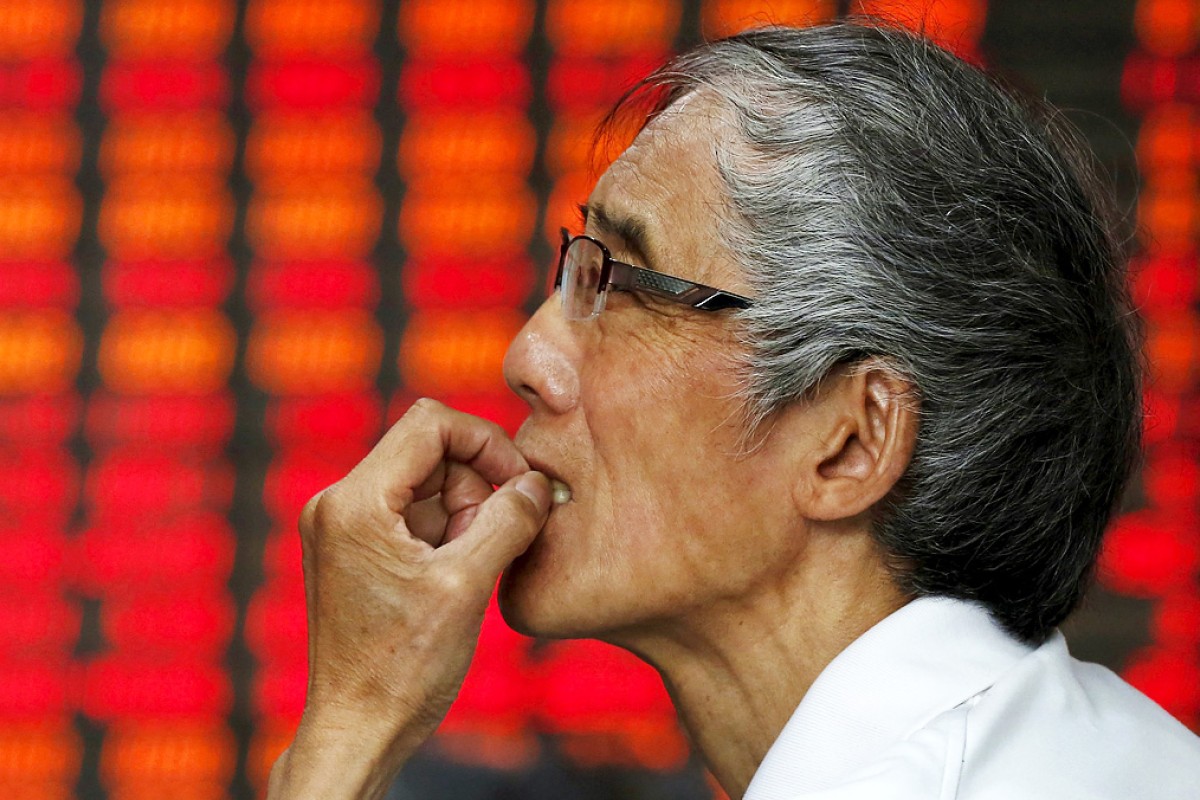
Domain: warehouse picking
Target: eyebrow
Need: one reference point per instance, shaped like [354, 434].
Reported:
[631, 230]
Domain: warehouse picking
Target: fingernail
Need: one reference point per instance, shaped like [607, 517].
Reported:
[536, 487]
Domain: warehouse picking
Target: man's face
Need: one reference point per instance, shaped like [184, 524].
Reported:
[635, 411]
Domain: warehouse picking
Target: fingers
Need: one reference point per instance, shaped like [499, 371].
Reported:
[504, 526]
[430, 433]
[445, 515]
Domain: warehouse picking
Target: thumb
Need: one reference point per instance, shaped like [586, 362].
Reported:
[504, 526]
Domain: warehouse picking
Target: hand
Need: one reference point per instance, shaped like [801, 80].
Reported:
[400, 559]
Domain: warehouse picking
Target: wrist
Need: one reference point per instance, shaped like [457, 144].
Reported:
[329, 759]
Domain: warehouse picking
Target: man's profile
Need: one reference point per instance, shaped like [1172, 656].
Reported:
[836, 393]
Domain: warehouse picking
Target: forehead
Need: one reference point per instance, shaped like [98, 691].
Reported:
[668, 179]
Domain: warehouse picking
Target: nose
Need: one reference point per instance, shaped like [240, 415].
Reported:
[542, 363]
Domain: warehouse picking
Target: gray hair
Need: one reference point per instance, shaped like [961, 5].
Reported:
[891, 203]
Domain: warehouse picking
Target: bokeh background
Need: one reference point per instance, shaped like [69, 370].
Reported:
[238, 238]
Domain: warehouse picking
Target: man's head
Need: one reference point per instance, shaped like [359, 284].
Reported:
[938, 373]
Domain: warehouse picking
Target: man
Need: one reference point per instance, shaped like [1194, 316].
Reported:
[838, 474]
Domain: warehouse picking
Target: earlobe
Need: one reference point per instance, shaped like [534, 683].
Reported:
[869, 418]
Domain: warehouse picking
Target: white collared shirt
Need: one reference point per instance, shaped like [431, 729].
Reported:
[938, 702]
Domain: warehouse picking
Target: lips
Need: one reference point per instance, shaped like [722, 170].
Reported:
[562, 491]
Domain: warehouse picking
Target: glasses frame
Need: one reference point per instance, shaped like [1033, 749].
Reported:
[623, 277]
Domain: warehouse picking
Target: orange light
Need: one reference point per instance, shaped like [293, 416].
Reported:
[184, 751]
[180, 351]
[727, 17]
[1167, 139]
[314, 352]
[569, 145]
[1167, 28]
[151, 216]
[562, 209]
[39, 351]
[467, 142]
[38, 143]
[298, 217]
[487, 219]
[271, 738]
[445, 352]
[45, 752]
[284, 27]
[1167, 216]
[196, 29]
[200, 141]
[612, 27]
[1171, 345]
[39, 28]
[434, 27]
[958, 24]
[282, 144]
[39, 217]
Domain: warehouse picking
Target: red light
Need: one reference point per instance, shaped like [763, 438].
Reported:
[38, 284]
[292, 481]
[279, 690]
[199, 424]
[1176, 621]
[276, 626]
[1150, 555]
[136, 555]
[39, 421]
[313, 84]
[45, 85]
[1164, 283]
[1171, 476]
[37, 486]
[32, 559]
[466, 283]
[1170, 678]
[502, 406]
[313, 285]
[475, 84]
[581, 85]
[164, 85]
[38, 622]
[198, 624]
[137, 483]
[345, 421]
[170, 284]
[32, 689]
[282, 558]
[139, 688]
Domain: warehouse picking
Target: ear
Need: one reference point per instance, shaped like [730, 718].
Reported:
[862, 432]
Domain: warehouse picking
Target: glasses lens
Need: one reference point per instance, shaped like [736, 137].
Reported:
[580, 288]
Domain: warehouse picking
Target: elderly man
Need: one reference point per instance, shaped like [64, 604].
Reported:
[834, 400]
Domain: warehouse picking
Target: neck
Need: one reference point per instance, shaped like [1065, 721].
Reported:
[737, 672]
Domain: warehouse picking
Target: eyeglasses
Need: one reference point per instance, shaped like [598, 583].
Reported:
[587, 272]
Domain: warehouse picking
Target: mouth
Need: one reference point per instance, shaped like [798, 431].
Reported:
[561, 490]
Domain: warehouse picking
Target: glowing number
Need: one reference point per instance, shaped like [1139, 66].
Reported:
[39, 351]
[306, 352]
[197, 29]
[955, 23]
[42, 752]
[487, 220]
[39, 217]
[37, 143]
[727, 17]
[482, 142]
[311, 26]
[1167, 212]
[153, 216]
[301, 218]
[612, 27]
[280, 144]
[39, 28]
[1172, 347]
[1167, 28]
[465, 26]
[166, 352]
[198, 141]
[446, 352]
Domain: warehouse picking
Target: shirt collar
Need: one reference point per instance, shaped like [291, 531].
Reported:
[926, 658]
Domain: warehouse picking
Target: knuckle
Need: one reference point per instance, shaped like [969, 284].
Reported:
[320, 512]
[426, 407]
[452, 584]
